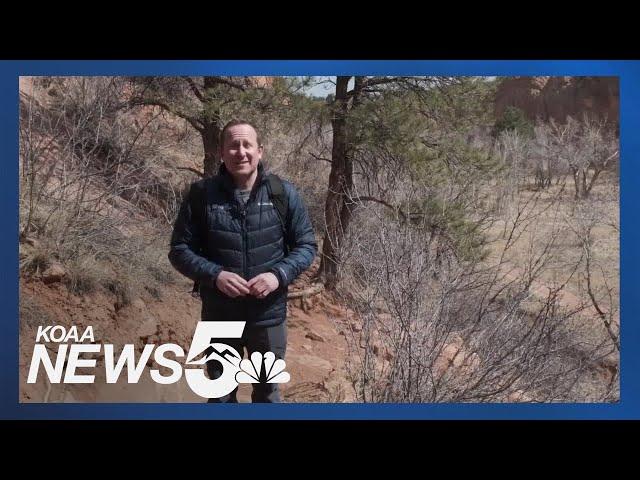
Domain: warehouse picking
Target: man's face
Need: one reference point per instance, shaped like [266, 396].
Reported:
[241, 152]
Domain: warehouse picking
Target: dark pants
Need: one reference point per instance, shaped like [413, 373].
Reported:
[254, 339]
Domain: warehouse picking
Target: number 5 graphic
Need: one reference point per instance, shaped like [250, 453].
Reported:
[226, 355]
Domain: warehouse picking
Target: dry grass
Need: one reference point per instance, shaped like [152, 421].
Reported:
[555, 212]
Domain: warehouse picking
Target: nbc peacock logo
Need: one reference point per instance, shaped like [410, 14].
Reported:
[252, 371]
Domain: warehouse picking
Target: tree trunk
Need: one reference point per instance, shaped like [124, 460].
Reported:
[546, 172]
[211, 133]
[585, 191]
[210, 143]
[337, 211]
[580, 182]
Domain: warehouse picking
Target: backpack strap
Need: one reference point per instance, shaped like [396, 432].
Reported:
[280, 201]
[199, 198]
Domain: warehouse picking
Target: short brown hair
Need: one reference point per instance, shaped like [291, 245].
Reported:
[234, 123]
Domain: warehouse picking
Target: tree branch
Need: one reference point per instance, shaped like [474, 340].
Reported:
[601, 314]
[386, 204]
[317, 157]
[366, 84]
[195, 123]
[372, 81]
[224, 81]
[612, 156]
[194, 88]
[191, 169]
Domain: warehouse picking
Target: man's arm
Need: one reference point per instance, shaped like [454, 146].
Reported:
[303, 246]
[186, 242]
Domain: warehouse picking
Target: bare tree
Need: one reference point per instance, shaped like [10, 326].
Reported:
[431, 326]
[542, 157]
[602, 295]
[513, 151]
[588, 148]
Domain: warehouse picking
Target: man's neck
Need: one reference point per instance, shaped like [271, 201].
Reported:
[246, 183]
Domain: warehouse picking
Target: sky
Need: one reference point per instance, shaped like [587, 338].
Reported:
[326, 88]
[321, 90]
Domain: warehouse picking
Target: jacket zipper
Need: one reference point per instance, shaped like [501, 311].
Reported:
[245, 248]
[245, 259]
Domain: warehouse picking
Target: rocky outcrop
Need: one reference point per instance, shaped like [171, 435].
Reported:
[558, 97]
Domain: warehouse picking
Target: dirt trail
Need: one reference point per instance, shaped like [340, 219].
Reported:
[315, 354]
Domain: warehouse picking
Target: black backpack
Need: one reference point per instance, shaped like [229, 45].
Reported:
[278, 196]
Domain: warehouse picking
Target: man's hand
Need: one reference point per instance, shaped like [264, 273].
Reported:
[263, 284]
[232, 285]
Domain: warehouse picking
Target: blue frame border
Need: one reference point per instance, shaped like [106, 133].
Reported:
[627, 408]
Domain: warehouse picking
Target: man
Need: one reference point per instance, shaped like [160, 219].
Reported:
[230, 238]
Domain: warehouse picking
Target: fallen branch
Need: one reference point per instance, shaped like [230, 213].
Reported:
[191, 169]
[315, 289]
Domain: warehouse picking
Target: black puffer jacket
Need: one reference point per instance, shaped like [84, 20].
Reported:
[247, 241]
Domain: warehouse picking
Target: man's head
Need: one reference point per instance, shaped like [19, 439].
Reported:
[240, 148]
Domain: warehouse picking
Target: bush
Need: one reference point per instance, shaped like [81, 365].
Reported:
[512, 119]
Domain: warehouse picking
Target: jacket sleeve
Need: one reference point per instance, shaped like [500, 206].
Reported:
[302, 240]
[185, 248]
